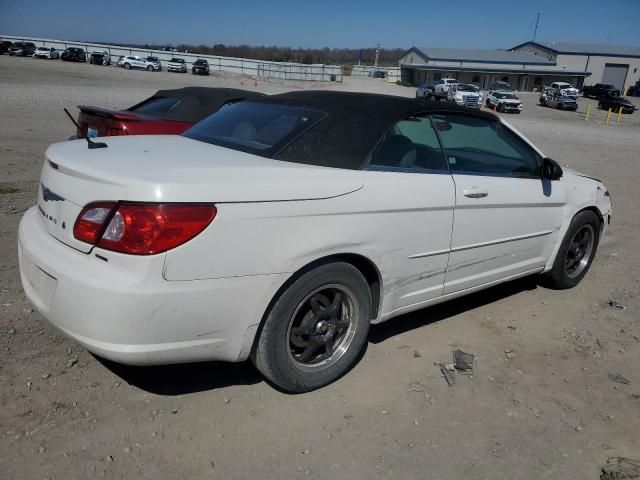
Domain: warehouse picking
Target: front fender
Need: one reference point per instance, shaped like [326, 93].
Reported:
[583, 193]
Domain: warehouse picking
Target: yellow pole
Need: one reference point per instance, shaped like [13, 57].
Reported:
[619, 115]
[608, 116]
[586, 117]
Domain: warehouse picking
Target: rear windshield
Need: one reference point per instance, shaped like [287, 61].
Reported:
[157, 106]
[258, 128]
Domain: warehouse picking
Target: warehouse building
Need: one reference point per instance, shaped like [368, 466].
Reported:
[527, 67]
[614, 64]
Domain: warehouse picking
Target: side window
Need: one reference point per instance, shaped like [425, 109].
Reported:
[479, 146]
[412, 144]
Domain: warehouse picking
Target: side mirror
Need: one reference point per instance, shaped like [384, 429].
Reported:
[551, 170]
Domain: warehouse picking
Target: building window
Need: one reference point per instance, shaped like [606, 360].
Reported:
[476, 79]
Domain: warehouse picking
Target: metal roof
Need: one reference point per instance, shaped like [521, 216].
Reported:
[587, 49]
[519, 71]
[480, 56]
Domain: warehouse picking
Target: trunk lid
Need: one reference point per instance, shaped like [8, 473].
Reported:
[170, 168]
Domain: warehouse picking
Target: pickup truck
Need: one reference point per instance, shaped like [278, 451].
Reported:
[465, 94]
[549, 97]
[599, 90]
[564, 89]
[442, 86]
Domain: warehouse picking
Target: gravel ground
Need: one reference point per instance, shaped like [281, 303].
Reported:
[541, 404]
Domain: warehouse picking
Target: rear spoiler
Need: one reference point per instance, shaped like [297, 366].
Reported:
[107, 113]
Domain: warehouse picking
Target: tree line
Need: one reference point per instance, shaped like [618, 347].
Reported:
[334, 56]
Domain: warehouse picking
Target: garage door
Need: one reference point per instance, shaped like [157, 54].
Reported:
[615, 74]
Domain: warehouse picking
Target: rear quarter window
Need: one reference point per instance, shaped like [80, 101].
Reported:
[259, 128]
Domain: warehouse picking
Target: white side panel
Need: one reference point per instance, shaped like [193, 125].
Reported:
[510, 230]
[400, 221]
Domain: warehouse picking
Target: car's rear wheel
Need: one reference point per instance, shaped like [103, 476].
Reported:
[316, 329]
[127, 66]
[576, 252]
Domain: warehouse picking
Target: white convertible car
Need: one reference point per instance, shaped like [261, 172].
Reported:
[280, 228]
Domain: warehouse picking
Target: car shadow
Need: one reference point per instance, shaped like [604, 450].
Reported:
[182, 379]
[428, 315]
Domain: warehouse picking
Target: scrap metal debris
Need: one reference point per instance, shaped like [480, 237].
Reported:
[449, 375]
[618, 305]
[463, 362]
[617, 377]
[620, 468]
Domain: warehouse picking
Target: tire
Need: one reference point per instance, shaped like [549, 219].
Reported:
[566, 273]
[297, 362]
[487, 104]
[127, 66]
[149, 68]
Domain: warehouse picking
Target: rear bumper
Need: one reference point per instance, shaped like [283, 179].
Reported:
[125, 311]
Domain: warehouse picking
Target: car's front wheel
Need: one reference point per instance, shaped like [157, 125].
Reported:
[316, 329]
[576, 252]
[149, 68]
[127, 66]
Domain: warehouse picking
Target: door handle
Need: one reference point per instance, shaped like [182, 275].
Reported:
[475, 192]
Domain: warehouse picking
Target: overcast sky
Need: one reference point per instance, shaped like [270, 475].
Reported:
[325, 23]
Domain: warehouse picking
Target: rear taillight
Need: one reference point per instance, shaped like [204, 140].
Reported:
[141, 228]
[90, 222]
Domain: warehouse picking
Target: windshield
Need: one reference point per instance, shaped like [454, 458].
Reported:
[177, 60]
[152, 59]
[258, 128]
[200, 62]
[467, 88]
[510, 96]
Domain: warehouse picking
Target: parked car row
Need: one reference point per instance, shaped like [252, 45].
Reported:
[102, 57]
[501, 97]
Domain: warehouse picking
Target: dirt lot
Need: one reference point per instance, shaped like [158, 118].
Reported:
[540, 405]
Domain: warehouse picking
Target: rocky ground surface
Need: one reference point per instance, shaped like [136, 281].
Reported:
[555, 390]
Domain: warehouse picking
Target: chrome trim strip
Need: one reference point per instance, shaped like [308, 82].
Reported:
[502, 240]
[429, 254]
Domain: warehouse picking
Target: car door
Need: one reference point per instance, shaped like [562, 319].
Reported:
[415, 193]
[507, 219]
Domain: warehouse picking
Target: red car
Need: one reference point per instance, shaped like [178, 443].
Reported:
[167, 112]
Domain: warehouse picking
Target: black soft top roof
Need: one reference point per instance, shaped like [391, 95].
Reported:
[354, 124]
[197, 103]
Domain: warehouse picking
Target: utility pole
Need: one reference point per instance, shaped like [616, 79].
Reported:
[377, 54]
[535, 30]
